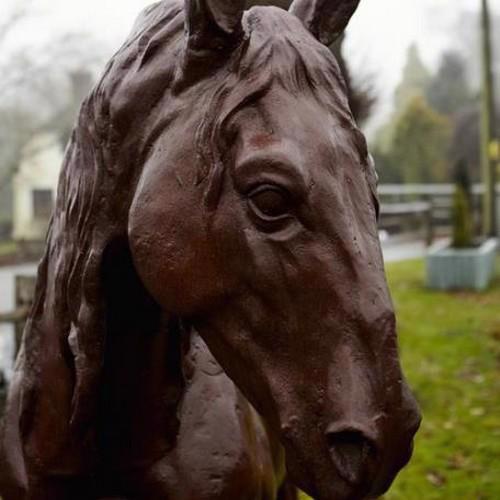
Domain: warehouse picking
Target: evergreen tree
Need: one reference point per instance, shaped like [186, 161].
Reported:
[389, 172]
[448, 91]
[414, 82]
[420, 143]
[465, 139]
[415, 79]
[361, 97]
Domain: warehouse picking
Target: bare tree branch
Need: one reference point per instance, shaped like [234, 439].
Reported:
[14, 18]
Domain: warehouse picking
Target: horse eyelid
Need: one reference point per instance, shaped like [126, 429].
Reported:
[273, 172]
[260, 187]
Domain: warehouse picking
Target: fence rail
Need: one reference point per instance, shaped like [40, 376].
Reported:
[426, 189]
[424, 207]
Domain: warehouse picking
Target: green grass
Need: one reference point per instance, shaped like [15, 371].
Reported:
[450, 349]
[7, 248]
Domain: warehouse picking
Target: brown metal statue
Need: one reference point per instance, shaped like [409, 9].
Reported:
[216, 187]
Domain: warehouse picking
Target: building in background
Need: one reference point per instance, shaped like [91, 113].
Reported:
[35, 185]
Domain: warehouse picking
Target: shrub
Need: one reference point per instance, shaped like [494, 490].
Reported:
[461, 214]
[462, 224]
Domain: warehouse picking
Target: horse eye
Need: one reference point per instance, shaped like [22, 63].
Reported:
[270, 202]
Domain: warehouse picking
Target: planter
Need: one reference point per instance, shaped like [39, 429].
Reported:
[461, 268]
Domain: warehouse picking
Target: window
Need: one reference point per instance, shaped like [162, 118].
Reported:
[42, 203]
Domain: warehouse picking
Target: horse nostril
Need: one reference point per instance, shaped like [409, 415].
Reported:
[414, 423]
[353, 455]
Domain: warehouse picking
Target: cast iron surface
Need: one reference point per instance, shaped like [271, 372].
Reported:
[216, 197]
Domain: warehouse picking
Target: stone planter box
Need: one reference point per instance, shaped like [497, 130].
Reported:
[461, 268]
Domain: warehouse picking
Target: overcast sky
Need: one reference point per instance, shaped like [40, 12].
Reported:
[377, 40]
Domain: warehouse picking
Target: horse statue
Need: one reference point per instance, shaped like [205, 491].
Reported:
[217, 205]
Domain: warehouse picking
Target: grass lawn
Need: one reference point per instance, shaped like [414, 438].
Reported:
[450, 348]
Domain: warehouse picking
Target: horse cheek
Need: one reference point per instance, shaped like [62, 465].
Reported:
[172, 253]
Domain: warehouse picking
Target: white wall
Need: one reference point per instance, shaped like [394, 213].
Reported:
[39, 169]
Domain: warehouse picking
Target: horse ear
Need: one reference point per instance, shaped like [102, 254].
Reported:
[213, 24]
[325, 19]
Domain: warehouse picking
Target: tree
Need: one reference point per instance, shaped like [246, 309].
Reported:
[389, 172]
[415, 79]
[414, 82]
[466, 139]
[420, 143]
[13, 19]
[448, 90]
[38, 90]
[361, 95]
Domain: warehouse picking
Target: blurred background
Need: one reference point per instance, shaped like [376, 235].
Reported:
[424, 85]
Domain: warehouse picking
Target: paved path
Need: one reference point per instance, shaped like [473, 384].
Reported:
[394, 252]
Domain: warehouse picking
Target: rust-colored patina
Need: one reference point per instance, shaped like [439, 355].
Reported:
[216, 187]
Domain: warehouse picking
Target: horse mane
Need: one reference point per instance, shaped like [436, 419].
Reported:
[105, 156]
[277, 52]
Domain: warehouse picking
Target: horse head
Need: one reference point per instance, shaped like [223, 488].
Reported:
[254, 219]
[216, 178]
